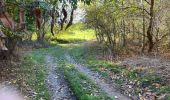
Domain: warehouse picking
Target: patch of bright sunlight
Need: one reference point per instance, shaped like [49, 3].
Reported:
[69, 66]
[77, 32]
[34, 36]
[71, 44]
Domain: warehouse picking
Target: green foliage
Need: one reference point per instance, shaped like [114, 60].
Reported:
[75, 2]
[165, 89]
[118, 21]
[45, 6]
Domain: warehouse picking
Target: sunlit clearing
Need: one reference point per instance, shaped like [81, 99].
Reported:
[34, 36]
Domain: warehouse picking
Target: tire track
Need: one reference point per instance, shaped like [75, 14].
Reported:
[106, 87]
[58, 87]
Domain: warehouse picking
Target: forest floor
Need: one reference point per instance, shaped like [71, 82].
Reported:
[76, 72]
[136, 76]
[107, 87]
[159, 65]
[60, 88]
[76, 68]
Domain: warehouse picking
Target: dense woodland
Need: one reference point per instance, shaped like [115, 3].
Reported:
[131, 22]
[123, 42]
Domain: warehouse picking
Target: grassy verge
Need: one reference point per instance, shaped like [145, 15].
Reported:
[138, 77]
[83, 87]
[35, 75]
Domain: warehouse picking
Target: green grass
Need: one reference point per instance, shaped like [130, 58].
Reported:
[83, 87]
[144, 79]
[35, 74]
[75, 33]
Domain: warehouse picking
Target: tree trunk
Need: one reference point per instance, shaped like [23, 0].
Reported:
[40, 36]
[143, 42]
[124, 33]
[124, 29]
[41, 33]
[149, 31]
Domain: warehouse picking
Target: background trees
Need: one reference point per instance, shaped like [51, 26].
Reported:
[118, 24]
[129, 22]
[20, 18]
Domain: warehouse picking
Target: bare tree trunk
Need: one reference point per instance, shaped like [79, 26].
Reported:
[111, 44]
[143, 42]
[149, 31]
[41, 33]
[124, 29]
[133, 30]
[124, 33]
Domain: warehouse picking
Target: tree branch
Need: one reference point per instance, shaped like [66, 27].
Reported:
[147, 2]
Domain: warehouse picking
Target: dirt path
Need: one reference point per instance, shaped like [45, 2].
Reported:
[106, 87]
[58, 87]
